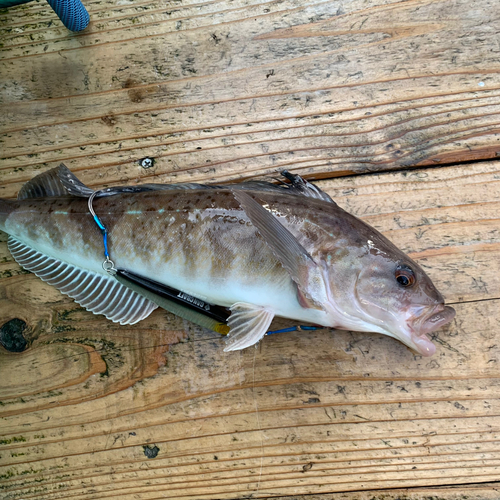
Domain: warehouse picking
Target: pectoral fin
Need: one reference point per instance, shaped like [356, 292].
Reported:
[248, 324]
[306, 273]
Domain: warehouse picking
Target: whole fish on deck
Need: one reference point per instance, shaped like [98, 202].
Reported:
[260, 249]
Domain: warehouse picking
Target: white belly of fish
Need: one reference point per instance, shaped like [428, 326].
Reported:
[279, 295]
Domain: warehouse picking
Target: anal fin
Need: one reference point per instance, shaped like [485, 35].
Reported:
[97, 293]
[248, 323]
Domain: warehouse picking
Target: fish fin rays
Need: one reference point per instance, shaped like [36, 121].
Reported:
[59, 181]
[303, 270]
[97, 293]
[305, 188]
[248, 323]
[71, 183]
[142, 188]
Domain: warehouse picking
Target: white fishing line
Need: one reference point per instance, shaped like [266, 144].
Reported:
[258, 421]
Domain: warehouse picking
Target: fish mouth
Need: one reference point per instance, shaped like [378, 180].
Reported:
[425, 324]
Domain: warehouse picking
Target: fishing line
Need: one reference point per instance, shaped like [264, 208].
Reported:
[258, 423]
[298, 328]
[108, 265]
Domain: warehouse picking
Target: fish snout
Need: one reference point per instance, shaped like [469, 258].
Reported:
[436, 320]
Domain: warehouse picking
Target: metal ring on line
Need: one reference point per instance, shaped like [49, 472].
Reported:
[109, 266]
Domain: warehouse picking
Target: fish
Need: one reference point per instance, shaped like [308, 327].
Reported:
[256, 248]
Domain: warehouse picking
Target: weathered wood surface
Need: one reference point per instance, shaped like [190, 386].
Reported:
[304, 413]
[233, 89]
[463, 492]
[214, 91]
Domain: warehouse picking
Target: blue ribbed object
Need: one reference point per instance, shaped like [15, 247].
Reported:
[10, 3]
[72, 13]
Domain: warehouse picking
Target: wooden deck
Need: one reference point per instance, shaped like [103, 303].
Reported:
[394, 106]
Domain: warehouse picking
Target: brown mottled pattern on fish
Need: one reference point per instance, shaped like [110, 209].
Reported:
[200, 235]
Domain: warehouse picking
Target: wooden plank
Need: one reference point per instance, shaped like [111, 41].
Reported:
[230, 90]
[473, 492]
[227, 90]
[97, 411]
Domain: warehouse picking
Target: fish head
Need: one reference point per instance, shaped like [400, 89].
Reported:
[397, 298]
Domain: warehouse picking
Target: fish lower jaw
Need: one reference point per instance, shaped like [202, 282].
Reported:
[419, 343]
[423, 344]
[421, 330]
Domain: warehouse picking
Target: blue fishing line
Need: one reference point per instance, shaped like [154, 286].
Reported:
[108, 264]
[295, 329]
[104, 235]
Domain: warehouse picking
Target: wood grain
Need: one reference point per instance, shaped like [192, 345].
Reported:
[320, 412]
[471, 492]
[235, 89]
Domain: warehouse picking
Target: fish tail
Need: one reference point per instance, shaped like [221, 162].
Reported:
[6, 208]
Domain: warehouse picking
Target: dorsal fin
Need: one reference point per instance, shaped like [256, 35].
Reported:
[70, 181]
[305, 188]
[59, 181]
[297, 186]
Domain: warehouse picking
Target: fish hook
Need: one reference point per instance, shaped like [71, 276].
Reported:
[108, 265]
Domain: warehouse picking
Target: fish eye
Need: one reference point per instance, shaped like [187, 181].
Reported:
[405, 276]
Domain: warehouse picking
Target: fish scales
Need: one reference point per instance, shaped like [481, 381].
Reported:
[259, 249]
[196, 250]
